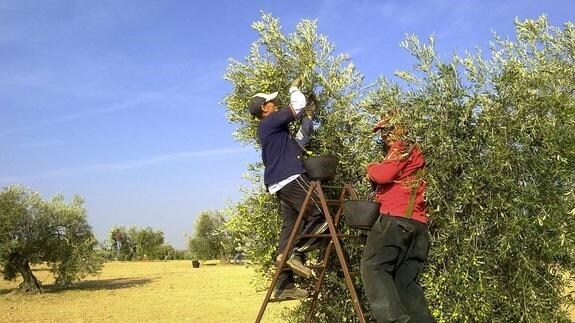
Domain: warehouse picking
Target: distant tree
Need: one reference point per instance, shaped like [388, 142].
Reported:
[106, 250]
[34, 231]
[147, 241]
[135, 243]
[182, 255]
[208, 237]
[121, 244]
[165, 252]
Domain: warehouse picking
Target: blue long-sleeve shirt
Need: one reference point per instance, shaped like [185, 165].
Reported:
[281, 153]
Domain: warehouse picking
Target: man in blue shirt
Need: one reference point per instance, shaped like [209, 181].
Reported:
[285, 176]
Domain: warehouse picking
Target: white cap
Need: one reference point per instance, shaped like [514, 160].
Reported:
[257, 100]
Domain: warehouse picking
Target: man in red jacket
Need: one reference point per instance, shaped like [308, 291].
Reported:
[398, 242]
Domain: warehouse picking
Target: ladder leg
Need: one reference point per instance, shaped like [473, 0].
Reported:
[268, 295]
[286, 251]
[326, 255]
[348, 280]
[343, 263]
[319, 282]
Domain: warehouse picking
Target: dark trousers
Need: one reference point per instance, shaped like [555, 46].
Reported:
[291, 198]
[391, 265]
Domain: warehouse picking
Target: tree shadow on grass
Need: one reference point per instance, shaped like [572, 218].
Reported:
[5, 291]
[100, 284]
[91, 285]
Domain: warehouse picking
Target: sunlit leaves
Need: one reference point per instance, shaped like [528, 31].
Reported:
[499, 140]
[498, 132]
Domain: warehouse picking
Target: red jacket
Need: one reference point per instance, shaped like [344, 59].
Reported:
[396, 180]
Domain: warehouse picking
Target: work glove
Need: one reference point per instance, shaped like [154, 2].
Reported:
[296, 82]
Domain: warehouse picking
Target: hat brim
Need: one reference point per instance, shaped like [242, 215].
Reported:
[266, 96]
[381, 124]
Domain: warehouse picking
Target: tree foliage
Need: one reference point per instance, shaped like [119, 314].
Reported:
[209, 238]
[275, 60]
[136, 243]
[342, 128]
[498, 133]
[122, 245]
[148, 242]
[499, 137]
[165, 252]
[35, 231]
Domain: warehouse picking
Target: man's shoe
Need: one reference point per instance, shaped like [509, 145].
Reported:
[293, 293]
[298, 267]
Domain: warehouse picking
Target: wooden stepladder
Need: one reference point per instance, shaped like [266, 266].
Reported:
[347, 191]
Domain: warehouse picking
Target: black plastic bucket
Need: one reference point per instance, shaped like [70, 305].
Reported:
[195, 264]
[360, 214]
[321, 168]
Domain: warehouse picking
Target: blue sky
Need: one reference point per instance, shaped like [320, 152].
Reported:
[120, 101]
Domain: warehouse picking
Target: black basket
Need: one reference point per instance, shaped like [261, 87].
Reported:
[360, 214]
[321, 168]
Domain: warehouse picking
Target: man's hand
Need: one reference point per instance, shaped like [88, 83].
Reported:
[296, 82]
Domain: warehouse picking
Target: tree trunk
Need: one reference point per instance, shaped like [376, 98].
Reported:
[29, 284]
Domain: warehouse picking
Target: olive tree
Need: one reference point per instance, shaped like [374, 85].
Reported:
[342, 128]
[136, 243]
[147, 242]
[208, 239]
[35, 231]
[498, 133]
[122, 245]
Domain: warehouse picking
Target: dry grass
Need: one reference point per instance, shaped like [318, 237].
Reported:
[170, 291]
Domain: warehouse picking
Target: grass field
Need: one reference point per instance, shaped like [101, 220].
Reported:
[170, 291]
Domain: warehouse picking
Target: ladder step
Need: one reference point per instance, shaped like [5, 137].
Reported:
[332, 186]
[328, 202]
[275, 300]
[320, 266]
[327, 235]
